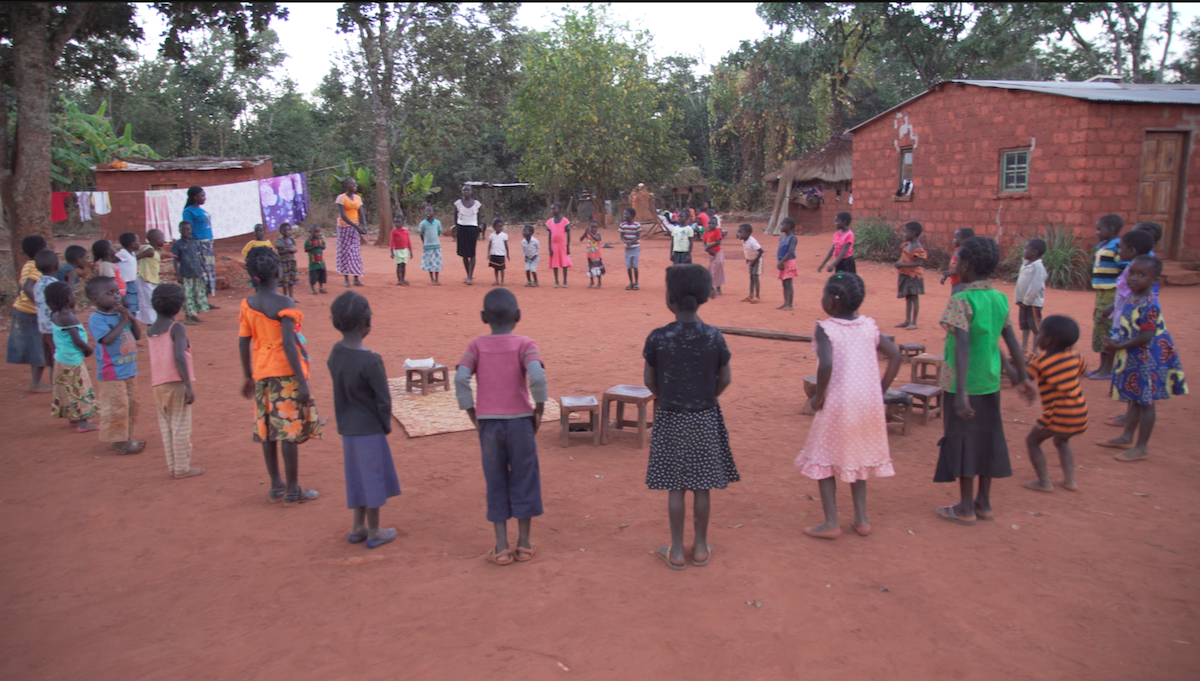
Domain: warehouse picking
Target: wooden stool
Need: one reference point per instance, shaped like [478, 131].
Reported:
[920, 366]
[910, 350]
[427, 379]
[570, 405]
[928, 396]
[898, 407]
[622, 395]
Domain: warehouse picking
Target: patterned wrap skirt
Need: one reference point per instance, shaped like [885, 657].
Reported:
[279, 417]
[690, 450]
[74, 398]
[349, 252]
[289, 273]
[431, 260]
[208, 262]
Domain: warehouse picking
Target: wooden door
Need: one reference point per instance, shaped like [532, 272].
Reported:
[1158, 191]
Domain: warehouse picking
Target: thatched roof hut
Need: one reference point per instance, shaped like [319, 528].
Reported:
[689, 180]
[830, 164]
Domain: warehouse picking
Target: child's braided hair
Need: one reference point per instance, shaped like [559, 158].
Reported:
[847, 289]
[262, 264]
[982, 254]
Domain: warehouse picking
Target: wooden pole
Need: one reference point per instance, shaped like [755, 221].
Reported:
[764, 333]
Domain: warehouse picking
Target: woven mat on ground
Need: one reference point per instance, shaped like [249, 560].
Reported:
[438, 412]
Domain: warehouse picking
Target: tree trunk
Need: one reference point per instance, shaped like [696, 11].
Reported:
[383, 174]
[31, 158]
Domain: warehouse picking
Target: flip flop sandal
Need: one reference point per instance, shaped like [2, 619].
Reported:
[290, 500]
[502, 558]
[666, 556]
[947, 513]
[702, 563]
[524, 555]
[629, 288]
[375, 543]
[356, 538]
[276, 495]
[1124, 459]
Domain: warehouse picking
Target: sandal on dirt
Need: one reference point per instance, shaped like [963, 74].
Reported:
[276, 495]
[664, 552]
[502, 558]
[388, 536]
[356, 538]
[290, 500]
[629, 288]
[702, 563]
[524, 555]
[947, 513]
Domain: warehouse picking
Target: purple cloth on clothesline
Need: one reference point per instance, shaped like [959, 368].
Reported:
[284, 199]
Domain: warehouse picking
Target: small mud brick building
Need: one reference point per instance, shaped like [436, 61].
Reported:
[814, 187]
[1009, 158]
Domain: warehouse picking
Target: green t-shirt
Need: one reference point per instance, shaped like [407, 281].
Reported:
[983, 312]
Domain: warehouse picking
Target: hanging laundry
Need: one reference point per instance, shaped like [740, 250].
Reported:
[100, 205]
[58, 209]
[234, 208]
[84, 201]
[164, 209]
[284, 199]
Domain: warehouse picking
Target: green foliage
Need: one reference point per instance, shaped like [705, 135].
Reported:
[364, 175]
[875, 239]
[1068, 263]
[82, 141]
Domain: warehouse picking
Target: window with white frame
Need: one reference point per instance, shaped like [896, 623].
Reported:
[1014, 171]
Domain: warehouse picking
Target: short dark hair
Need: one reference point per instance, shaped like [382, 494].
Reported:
[1150, 260]
[58, 295]
[127, 238]
[787, 221]
[32, 245]
[349, 311]
[100, 248]
[1038, 245]
[688, 286]
[1062, 331]
[93, 286]
[914, 227]
[1112, 221]
[746, 226]
[500, 222]
[46, 261]
[74, 252]
[844, 217]
[966, 232]
[847, 290]
[981, 253]
[167, 299]
[262, 264]
[1154, 228]
[631, 211]
[500, 306]
[1141, 241]
[154, 231]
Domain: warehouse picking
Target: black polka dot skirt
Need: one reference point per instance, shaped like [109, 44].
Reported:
[690, 450]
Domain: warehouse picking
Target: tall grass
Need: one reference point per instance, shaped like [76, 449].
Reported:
[1067, 262]
[875, 239]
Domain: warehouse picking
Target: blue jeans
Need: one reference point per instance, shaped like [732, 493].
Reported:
[510, 467]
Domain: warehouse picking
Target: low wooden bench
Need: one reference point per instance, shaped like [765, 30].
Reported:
[928, 397]
[586, 404]
[427, 379]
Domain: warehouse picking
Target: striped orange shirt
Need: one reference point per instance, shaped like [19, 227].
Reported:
[1064, 409]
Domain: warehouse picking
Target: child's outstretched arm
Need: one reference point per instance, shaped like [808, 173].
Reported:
[537, 390]
[462, 392]
[827, 257]
[1020, 376]
[889, 350]
[824, 368]
[180, 343]
[247, 374]
[288, 325]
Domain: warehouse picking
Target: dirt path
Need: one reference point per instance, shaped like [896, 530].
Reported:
[112, 571]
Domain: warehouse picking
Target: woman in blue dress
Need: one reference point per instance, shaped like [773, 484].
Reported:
[202, 232]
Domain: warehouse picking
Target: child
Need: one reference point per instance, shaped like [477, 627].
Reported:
[401, 246]
[506, 421]
[116, 333]
[189, 271]
[532, 248]
[47, 265]
[595, 261]
[105, 257]
[681, 242]
[314, 246]
[1105, 271]
[149, 269]
[497, 251]
[363, 405]
[973, 443]
[260, 239]
[842, 250]
[754, 259]
[24, 339]
[687, 368]
[74, 267]
[560, 243]
[430, 231]
[1147, 367]
[127, 265]
[1128, 251]
[716, 257]
[289, 272]
[960, 236]
[171, 375]
[848, 438]
[276, 378]
[786, 261]
[631, 235]
[1030, 294]
[911, 283]
[74, 399]
[1057, 370]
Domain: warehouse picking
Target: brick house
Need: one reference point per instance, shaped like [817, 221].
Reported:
[814, 187]
[1009, 158]
[125, 185]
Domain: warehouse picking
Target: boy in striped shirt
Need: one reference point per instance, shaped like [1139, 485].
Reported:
[1106, 268]
[631, 236]
[1057, 370]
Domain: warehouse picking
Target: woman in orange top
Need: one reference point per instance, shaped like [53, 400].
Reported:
[350, 228]
[277, 378]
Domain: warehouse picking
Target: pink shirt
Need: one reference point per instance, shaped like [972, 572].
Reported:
[162, 359]
[839, 238]
[498, 362]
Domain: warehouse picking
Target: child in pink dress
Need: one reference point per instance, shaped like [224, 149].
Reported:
[848, 438]
[560, 243]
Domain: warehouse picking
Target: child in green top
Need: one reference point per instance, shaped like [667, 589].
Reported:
[973, 444]
[314, 246]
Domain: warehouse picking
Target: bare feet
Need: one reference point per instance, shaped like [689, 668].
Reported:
[825, 530]
[912, 326]
[1118, 443]
[1039, 486]
[903, 325]
[40, 388]
[784, 307]
[1118, 421]
[747, 299]
[191, 473]
[755, 301]
[1069, 485]
[1136, 453]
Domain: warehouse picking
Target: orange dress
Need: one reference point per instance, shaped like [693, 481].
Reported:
[279, 416]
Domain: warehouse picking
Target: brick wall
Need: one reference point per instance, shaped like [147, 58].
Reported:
[809, 221]
[1085, 162]
[125, 189]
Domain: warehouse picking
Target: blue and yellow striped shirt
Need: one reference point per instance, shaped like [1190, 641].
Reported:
[1106, 267]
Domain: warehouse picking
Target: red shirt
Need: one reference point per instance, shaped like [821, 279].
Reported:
[400, 239]
[712, 239]
[703, 219]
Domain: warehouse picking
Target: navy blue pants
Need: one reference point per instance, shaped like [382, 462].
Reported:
[510, 467]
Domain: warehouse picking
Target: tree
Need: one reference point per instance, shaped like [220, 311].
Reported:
[1188, 66]
[589, 111]
[39, 34]
[83, 141]
[1127, 33]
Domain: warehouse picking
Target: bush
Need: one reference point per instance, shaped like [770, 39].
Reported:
[875, 239]
[1067, 263]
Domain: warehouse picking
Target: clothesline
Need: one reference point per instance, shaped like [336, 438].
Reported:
[139, 191]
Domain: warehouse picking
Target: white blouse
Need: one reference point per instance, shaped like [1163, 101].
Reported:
[467, 216]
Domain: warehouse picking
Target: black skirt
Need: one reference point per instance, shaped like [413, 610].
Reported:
[690, 450]
[975, 446]
[468, 239]
[846, 265]
[909, 286]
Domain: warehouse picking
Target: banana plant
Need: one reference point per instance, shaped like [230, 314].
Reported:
[82, 141]
[411, 187]
[363, 175]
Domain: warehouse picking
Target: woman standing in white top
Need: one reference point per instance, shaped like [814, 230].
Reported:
[466, 230]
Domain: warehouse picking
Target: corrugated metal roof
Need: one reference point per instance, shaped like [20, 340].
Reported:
[1125, 93]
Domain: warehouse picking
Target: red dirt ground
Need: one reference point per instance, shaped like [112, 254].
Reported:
[111, 570]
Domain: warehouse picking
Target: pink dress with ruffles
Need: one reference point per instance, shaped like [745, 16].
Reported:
[848, 438]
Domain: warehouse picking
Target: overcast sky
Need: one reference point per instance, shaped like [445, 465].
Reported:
[713, 30]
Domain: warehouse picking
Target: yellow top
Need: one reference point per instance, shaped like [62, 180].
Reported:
[255, 244]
